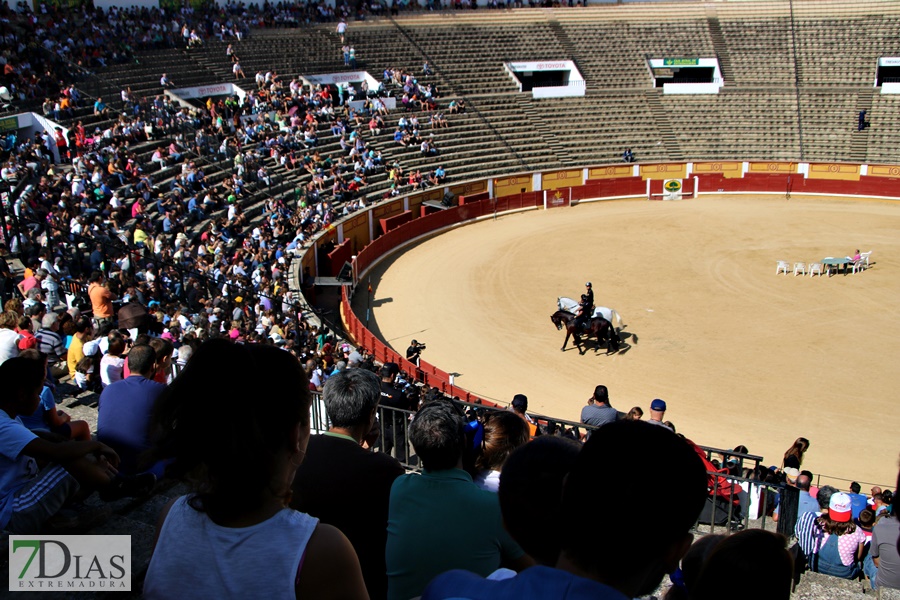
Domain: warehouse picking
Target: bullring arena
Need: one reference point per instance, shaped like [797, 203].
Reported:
[742, 356]
[211, 155]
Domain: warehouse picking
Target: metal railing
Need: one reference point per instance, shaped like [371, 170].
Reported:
[725, 512]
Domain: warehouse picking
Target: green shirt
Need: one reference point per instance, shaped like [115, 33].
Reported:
[440, 521]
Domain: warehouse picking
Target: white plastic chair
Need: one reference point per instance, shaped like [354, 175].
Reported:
[783, 265]
[799, 269]
[814, 269]
[865, 257]
[859, 265]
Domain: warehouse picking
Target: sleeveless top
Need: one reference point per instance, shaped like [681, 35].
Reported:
[195, 558]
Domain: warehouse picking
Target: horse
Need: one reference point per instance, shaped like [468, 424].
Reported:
[597, 327]
[610, 314]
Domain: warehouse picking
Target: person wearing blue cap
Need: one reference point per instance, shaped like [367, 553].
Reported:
[657, 412]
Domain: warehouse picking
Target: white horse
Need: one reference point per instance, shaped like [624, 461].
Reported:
[569, 305]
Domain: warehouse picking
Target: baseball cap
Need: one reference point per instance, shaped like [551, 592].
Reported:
[588, 284]
[658, 404]
[839, 508]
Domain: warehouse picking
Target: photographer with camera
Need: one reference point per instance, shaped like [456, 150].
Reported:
[413, 352]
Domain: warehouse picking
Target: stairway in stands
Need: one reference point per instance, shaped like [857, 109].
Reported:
[859, 145]
[718, 40]
[571, 49]
[556, 149]
[663, 124]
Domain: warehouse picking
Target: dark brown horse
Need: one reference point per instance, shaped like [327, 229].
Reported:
[597, 327]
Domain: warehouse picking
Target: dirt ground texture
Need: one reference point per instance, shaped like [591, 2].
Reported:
[740, 355]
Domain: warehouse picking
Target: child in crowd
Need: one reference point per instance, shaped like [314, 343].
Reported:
[112, 365]
[84, 373]
[47, 417]
[30, 496]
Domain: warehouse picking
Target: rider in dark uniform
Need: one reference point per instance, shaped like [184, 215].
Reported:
[585, 307]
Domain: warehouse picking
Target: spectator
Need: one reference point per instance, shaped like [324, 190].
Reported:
[838, 540]
[394, 421]
[658, 413]
[9, 337]
[83, 333]
[519, 406]
[112, 365]
[51, 344]
[126, 407]
[503, 433]
[439, 520]
[882, 564]
[32, 282]
[857, 500]
[634, 414]
[531, 488]
[794, 455]
[47, 417]
[756, 558]
[598, 411]
[357, 503]
[219, 541]
[807, 503]
[101, 299]
[614, 558]
[31, 497]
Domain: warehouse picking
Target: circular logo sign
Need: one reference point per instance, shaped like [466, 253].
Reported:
[672, 186]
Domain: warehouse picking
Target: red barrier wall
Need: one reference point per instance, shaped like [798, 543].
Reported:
[339, 256]
[395, 221]
[463, 200]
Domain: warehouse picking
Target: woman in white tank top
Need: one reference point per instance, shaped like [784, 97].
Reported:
[236, 424]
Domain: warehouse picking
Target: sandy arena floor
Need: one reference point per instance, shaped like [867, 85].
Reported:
[740, 355]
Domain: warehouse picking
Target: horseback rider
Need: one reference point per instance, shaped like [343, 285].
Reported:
[585, 308]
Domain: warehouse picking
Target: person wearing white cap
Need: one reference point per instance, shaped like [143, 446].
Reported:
[839, 541]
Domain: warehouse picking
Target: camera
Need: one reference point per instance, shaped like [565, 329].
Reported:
[420, 346]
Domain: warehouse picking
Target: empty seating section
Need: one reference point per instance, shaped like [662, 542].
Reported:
[614, 53]
[474, 54]
[760, 51]
[844, 51]
[597, 128]
[734, 124]
[829, 123]
[884, 133]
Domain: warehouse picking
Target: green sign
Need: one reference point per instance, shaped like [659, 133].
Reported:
[672, 186]
[9, 123]
[681, 62]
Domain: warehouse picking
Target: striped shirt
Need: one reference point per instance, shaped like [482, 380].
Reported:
[50, 343]
[806, 532]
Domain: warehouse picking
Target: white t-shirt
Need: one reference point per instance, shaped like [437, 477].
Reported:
[111, 369]
[9, 341]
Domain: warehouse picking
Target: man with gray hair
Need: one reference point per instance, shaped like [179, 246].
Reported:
[51, 344]
[356, 502]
